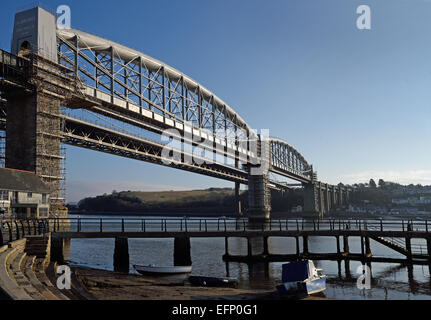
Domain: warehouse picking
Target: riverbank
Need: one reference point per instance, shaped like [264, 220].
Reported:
[108, 285]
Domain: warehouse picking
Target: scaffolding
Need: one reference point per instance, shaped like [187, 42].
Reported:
[50, 156]
[2, 148]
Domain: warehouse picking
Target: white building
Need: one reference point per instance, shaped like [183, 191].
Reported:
[23, 195]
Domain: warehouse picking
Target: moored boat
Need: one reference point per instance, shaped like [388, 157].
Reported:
[213, 281]
[301, 278]
[160, 270]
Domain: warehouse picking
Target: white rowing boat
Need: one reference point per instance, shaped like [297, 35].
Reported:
[152, 269]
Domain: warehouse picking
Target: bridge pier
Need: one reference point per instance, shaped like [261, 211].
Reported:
[33, 119]
[259, 198]
[311, 199]
[238, 204]
[121, 255]
[327, 205]
[346, 245]
[182, 251]
[305, 245]
[409, 248]
[429, 250]
[368, 247]
[298, 249]
[33, 139]
[266, 246]
[249, 248]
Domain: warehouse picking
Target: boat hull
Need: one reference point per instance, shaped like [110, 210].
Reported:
[154, 270]
[302, 288]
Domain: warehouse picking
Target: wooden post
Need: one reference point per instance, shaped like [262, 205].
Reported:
[298, 250]
[338, 245]
[346, 244]
[429, 254]
[305, 244]
[362, 247]
[249, 248]
[121, 255]
[409, 248]
[266, 246]
[429, 250]
[368, 247]
[226, 246]
[182, 252]
[56, 250]
[347, 268]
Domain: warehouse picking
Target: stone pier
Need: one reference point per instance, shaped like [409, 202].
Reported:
[182, 252]
[121, 255]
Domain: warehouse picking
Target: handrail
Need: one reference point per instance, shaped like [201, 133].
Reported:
[139, 224]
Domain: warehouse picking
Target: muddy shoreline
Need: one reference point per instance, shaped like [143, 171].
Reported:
[108, 285]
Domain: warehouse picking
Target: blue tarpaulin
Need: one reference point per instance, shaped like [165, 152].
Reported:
[295, 271]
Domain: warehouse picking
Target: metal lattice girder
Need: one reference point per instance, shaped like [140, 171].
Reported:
[146, 83]
[113, 72]
[287, 161]
[125, 84]
[90, 136]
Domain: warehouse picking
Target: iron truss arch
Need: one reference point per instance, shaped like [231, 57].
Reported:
[287, 161]
[144, 85]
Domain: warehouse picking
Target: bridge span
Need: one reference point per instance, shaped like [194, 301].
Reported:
[72, 87]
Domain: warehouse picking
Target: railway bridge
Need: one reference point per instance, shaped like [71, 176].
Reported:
[71, 87]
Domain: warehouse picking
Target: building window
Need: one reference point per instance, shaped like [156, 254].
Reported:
[30, 195]
[43, 212]
[44, 198]
[4, 195]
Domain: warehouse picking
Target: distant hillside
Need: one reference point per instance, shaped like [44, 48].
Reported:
[208, 202]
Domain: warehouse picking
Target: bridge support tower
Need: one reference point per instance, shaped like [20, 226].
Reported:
[259, 194]
[33, 136]
[312, 197]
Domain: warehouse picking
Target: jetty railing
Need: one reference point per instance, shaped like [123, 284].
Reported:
[12, 230]
[88, 224]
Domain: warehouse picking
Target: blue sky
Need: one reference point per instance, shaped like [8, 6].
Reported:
[355, 103]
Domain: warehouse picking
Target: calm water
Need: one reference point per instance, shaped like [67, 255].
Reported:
[390, 281]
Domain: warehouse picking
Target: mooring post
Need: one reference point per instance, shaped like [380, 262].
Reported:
[409, 248]
[266, 246]
[56, 250]
[249, 248]
[346, 244]
[368, 247]
[298, 250]
[429, 254]
[429, 250]
[305, 243]
[347, 268]
[121, 255]
[339, 268]
[182, 252]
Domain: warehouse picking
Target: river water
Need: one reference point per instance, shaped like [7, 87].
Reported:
[389, 280]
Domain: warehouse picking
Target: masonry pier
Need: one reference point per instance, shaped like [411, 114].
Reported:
[57, 250]
[121, 255]
[182, 251]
